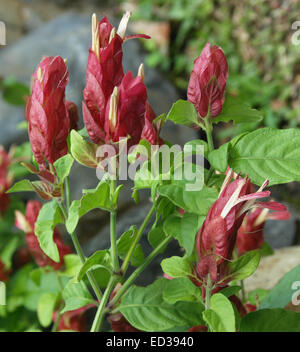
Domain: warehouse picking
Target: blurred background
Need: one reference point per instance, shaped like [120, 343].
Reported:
[264, 71]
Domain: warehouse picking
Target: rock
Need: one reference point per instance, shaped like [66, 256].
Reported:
[280, 234]
[272, 268]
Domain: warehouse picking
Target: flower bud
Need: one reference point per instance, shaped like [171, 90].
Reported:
[206, 89]
[46, 111]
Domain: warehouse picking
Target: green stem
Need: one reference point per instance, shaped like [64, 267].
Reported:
[82, 257]
[243, 291]
[98, 320]
[113, 235]
[207, 293]
[68, 196]
[208, 130]
[139, 270]
[136, 240]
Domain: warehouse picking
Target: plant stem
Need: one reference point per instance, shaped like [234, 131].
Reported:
[139, 270]
[98, 320]
[113, 235]
[208, 130]
[207, 293]
[136, 240]
[243, 291]
[68, 196]
[82, 257]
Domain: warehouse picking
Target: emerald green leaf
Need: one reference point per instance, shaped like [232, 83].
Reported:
[220, 316]
[181, 289]
[244, 266]
[76, 295]
[156, 236]
[256, 296]
[267, 153]
[230, 290]
[14, 92]
[271, 320]
[63, 166]
[124, 243]
[92, 199]
[21, 186]
[49, 216]
[218, 158]
[237, 111]
[197, 202]
[45, 309]
[184, 229]
[83, 151]
[283, 293]
[72, 265]
[100, 259]
[145, 309]
[183, 112]
[176, 267]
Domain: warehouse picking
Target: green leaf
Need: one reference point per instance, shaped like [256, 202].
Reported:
[176, 267]
[284, 291]
[238, 112]
[220, 316]
[156, 236]
[45, 309]
[72, 265]
[197, 202]
[63, 166]
[271, 320]
[100, 259]
[49, 216]
[97, 198]
[83, 151]
[21, 186]
[267, 153]
[244, 266]
[218, 158]
[256, 296]
[76, 295]
[184, 229]
[184, 113]
[181, 289]
[14, 92]
[146, 310]
[230, 290]
[124, 243]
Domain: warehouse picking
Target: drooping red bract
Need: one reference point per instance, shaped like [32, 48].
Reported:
[5, 180]
[206, 89]
[217, 236]
[46, 111]
[115, 104]
[251, 233]
[27, 224]
[73, 320]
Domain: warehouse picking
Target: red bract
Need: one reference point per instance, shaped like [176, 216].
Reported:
[46, 111]
[5, 180]
[27, 224]
[3, 273]
[114, 104]
[217, 236]
[120, 324]
[251, 233]
[74, 320]
[206, 89]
